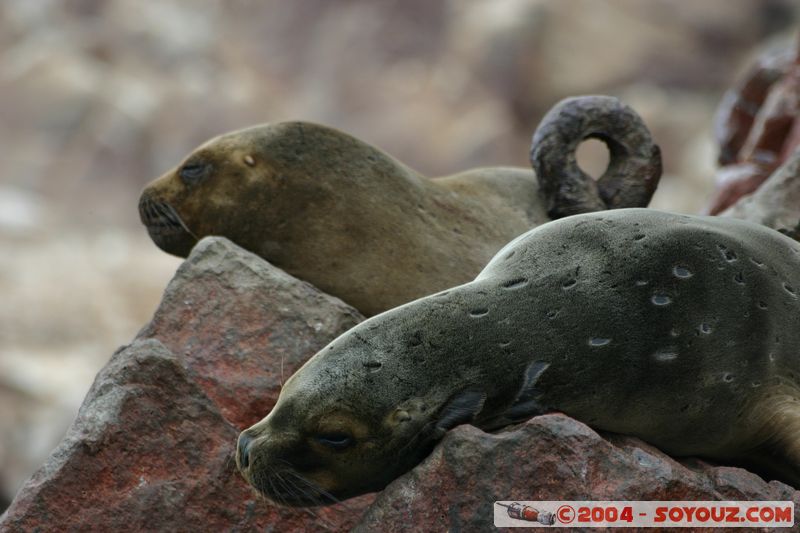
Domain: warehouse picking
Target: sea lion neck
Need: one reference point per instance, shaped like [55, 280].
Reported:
[431, 339]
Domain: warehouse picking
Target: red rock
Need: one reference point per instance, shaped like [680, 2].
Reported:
[243, 326]
[741, 104]
[774, 121]
[756, 125]
[152, 446]
[551, 457]
[776, 204]
[734, 182]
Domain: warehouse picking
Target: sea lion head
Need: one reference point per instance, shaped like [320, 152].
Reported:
[253, 186]
[193, 199]
[356, 415]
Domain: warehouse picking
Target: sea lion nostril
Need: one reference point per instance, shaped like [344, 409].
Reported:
[243, 449]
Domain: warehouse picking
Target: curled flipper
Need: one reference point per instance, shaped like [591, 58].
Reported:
[634, 166]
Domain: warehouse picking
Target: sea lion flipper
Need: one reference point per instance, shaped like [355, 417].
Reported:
[526, 404]
[461, 409]
[634, 167]
[779, 454]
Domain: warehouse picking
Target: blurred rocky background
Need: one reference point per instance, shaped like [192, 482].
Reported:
[99, 97]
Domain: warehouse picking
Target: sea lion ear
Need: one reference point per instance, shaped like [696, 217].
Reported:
[460, 409]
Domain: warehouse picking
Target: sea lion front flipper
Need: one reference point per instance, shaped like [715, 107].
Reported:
[778, 455]
[460, 409]
[526, 403]
[634, 167]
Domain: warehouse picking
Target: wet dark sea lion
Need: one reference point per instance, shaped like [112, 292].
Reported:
[681, 330]
[358, 224]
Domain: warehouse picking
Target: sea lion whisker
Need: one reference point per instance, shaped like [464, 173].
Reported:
[282, 494]
[167, 215]
[168, 212]
[297, 478]
[296, 491]
[280, 486]
[328, 497]
[185, 227]
[161, 210]
[309, 495]
[156, 218]
[275, 493]
[292, 479]
[231, 462]
[150, 211]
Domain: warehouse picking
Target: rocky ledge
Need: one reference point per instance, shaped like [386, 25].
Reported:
[152, 446]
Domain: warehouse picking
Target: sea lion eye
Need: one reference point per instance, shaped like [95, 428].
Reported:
[336, 440]
[191, 173]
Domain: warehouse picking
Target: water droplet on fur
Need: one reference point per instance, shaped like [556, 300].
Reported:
[249, 160]
[739, 278]
[772, 357]
[682, 272]
[727, 377]
[788, 288]
[599, 341]
[755, 384]
[639, 237]
[552, 314]
[503, 344]
[756, 262]
[665, 355]
[481, 311]
[661, 299]
[674, 332]
[729, 255]
[515, 283]
[569, 284]
[510, 254]
[705, 328]
[641, 283]
[762, 304]
[373, 366]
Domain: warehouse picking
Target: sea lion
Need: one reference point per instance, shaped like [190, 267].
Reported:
[681, 330]
[360, 225]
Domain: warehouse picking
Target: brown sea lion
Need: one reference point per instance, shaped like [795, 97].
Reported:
[683, 331]
[358, 224]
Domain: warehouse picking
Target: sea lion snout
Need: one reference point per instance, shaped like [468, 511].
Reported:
[243, 450]
[165, 226]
